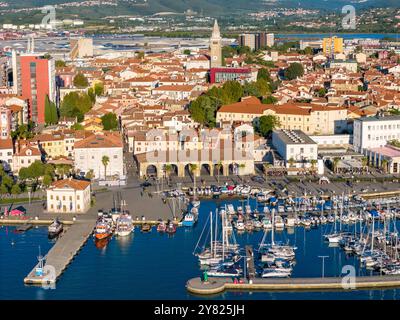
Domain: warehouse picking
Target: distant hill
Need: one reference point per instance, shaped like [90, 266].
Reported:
[208, 7]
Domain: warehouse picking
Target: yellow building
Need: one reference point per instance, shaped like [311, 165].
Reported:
[309, 118]
[332, 45]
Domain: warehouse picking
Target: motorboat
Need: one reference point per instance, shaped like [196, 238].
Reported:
[145, 227]
[240, 226]
[161, 227]
[171, 228]
[230, 209]
[189, 219]
[279, 223]
[267, 224]
[124, 225]
[102, 230]
[275, 274]
[55, 228]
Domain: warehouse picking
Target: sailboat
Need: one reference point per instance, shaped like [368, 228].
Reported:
[274, 252]
[218, 252]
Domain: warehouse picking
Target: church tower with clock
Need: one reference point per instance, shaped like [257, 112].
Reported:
[215, 47]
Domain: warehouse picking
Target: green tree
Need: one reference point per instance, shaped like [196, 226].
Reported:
[60, 64]
[203, 110]
[266, 124]
[270, 100]
[291, 162]
[233, 91]
[251, 89]
[90, 174]
[109, 121]
[294, 71]
[99, 89]
[263, 87]
[80, 81]
[105, 161]
[47, 180]
[322, 92]
[77, 126]
[187, 52]
[193, 170]
[76, 105]
[50, 112]
[335, 164]
[264, 74]
[16, 189]
[92, 95]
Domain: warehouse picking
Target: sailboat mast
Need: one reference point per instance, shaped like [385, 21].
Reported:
[215, 235]
[223, 235]
[273, 227]
[373, 232]
[211, 231]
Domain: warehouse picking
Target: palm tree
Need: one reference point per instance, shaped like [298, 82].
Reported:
[291, 162]
[384, 165]
[193, 168]
[313, 164]
[105, 161]
[335, 164]
[218, 165]
[168, 169]
[364, 162]
[266, 166]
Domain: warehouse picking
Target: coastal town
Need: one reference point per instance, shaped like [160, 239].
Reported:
[99, 139]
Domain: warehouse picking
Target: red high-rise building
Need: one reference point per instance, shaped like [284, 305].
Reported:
[34, 79]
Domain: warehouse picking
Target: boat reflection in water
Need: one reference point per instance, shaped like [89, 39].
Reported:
[101, 243]
[125, 242]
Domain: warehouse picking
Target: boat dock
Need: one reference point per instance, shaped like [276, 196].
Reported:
[218, 285]
[63, 252]
[251, 270]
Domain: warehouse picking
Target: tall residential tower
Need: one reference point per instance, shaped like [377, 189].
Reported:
[216, 47]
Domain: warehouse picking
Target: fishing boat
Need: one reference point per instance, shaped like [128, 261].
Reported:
[171, 228]
[102, 230]
[190, 219]
[145, 227]
[55, 228]
[124, 225]
[161, 227]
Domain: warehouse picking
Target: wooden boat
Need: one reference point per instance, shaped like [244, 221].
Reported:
[146, 227]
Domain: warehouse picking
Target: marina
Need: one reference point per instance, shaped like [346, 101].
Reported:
[309, 242]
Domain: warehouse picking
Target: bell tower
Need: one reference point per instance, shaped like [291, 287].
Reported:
[215, 47]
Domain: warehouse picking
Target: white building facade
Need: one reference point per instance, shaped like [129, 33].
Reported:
[375, 132]
[69, 196]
